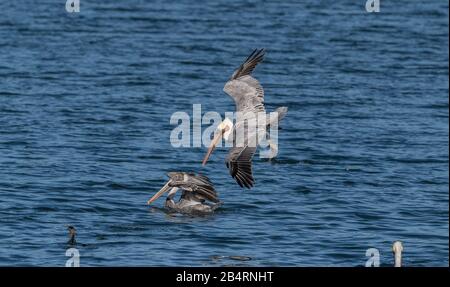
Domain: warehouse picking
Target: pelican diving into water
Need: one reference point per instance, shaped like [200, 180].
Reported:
[248, 96]
[196, 191]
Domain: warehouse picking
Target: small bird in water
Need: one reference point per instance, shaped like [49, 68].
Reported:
[196, 191]
[72, 233]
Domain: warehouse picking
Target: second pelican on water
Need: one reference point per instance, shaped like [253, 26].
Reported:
[197, 190]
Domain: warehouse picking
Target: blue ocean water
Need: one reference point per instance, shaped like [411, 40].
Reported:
[85, 103]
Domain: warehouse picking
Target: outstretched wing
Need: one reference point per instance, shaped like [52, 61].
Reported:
[246, 91]
[239, 163]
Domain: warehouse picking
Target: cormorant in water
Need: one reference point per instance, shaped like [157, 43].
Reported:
[72, 233]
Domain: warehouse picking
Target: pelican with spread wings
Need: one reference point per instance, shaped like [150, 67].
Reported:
[196, 191]
[248, 96]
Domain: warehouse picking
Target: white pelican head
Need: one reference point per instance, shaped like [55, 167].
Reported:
[223, 129]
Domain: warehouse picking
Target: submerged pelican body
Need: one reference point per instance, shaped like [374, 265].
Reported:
[198, 194]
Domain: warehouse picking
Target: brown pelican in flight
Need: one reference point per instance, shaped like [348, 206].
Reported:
[248, 96]
[196, 191]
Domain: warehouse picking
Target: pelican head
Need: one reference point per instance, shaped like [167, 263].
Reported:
[397, 249]
[173, 176]
[224, 130]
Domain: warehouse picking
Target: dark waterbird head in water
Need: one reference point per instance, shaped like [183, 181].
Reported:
[72, 233]
[196, 191]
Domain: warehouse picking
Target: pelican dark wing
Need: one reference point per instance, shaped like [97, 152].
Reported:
[246, 91]
[249, 64]
[199, 185]
[239, 163]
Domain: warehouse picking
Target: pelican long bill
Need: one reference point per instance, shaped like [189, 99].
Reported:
[211, 148]
[164, 189]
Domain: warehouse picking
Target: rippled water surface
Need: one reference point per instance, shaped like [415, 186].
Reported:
[85, 103]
